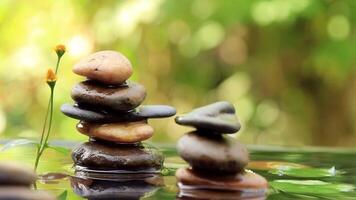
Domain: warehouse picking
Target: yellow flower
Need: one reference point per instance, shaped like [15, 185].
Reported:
[60, 50]
[51, 76]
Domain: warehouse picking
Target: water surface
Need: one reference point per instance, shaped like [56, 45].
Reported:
[292, 173]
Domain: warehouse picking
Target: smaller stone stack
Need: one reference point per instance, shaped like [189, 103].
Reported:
[217, 161]
[107, 106]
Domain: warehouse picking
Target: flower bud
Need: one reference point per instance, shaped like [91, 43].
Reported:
[60, 50]
[51, 77]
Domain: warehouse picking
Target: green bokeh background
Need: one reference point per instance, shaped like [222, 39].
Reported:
[287, 65]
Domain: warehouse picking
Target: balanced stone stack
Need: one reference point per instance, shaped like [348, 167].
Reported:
[217, 161]
[108, 107]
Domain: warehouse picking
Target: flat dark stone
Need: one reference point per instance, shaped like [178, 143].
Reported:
[104, 189]
[106, 156]
[218, 117]
[217, 154]
[121, 98]
[92, 114]
[156, 111]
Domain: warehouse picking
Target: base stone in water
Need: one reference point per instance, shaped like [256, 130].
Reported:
[107, 156]
[246, 184]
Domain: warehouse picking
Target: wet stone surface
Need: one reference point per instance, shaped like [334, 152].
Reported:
[109, 156]
[215, 153]
[97, 114]
[119, 98]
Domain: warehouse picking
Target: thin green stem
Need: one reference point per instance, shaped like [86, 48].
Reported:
[57, 64]
[49, 113]
[38, 155]
[43, 143]
[50, 119]
[42, 135]
[45, 122]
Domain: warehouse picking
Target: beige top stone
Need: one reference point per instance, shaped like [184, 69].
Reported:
[109, 67]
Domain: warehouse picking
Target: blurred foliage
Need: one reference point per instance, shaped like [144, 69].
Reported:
[287, 65]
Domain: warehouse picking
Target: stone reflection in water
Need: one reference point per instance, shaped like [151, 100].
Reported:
[206, 194]
[115, 186]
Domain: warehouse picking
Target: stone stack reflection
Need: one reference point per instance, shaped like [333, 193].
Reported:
[119, 186]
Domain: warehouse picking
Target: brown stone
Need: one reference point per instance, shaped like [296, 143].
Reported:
[109, 156]
[247, 181]
[15, 174]
[121, 132]
[109, 67]
[218, 154]
[119, 98]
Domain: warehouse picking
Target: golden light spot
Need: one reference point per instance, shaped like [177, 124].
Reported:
[105, 32]
[267, 112]
[190, 48]
[338, 27]
[178, 32]
[233, 51]
[244, 109]
[263, 13]
[267, 12]
[131, 13]
[79, 45]
[27, 57]
[203, 8]
[210, 35]
[234, 87]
